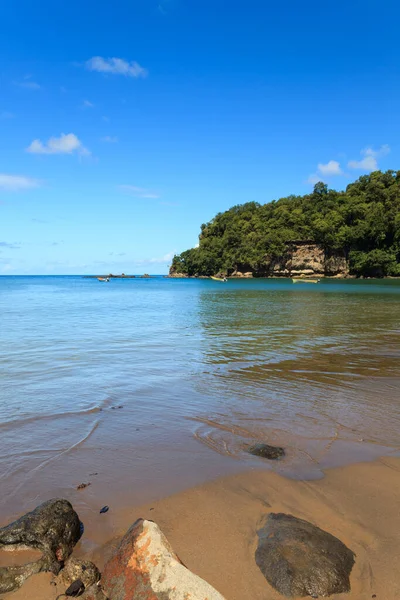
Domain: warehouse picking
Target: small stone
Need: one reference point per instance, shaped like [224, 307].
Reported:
[76, 569]
[266, 451]
[75, 589]
[104, 509]
[82, 486]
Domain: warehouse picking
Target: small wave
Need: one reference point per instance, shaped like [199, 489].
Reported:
[49, 417]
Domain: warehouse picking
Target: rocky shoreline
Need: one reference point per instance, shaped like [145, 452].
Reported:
[252, 535]
[295, 557]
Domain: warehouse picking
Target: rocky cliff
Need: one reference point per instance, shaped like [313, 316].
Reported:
[308, 258]
[302, 258]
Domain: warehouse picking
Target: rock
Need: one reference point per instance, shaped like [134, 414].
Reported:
[82, 486]
[266, 451]
[53, 527]
[145, 566]
[83, 570]
[299, 559]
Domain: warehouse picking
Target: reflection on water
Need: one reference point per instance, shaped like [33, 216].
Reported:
[157, 384]
[315, 370]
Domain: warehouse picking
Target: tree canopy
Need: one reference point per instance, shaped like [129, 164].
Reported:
[363, 222]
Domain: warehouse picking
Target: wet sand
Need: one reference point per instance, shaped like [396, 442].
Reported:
[213, 528]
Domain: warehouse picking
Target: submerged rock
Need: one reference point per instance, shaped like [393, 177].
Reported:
[299, 559]
[266, 451]
[53, 528]
[145, 566]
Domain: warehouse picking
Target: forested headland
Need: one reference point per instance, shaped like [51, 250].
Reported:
[361, 223]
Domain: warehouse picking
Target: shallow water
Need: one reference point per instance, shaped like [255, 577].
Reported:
[143, 387]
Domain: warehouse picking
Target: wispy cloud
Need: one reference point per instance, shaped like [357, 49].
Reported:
[165, 203]
[328, 169]
[6, 115]
[17, 183]
[110, 139]
[27, 83]
[163, 259]
[313, 179]
[34, 220]
[87, 104]
[138, 192]
[115, 66]
[10, 246]
[65, 144]
[369, 162]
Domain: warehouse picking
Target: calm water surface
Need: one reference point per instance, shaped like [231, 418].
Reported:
[158, 384]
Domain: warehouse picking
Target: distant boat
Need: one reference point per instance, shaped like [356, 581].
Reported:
[223, 279]
[103, 279]
[305, 280]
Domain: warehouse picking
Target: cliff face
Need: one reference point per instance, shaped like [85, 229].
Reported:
[302, 258]
[307, 258]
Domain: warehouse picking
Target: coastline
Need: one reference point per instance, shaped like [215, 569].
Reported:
[213, 528]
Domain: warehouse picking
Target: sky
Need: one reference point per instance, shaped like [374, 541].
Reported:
[125, 125]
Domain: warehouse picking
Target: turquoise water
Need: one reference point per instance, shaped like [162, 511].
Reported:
[158, 384]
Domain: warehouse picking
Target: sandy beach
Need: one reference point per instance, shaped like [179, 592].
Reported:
[213, 528]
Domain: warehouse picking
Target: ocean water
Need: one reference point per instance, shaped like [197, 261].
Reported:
[146, 386]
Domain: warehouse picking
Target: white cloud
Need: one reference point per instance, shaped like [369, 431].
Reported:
[65, 144]
[111, 139]
[87, 104]
[325, 170]
[115, 66]
[370, 160]
[138, 192]
[313, 179]
[17, 183]
[331, 168]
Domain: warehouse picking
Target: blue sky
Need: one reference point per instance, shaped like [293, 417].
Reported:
[125, 125]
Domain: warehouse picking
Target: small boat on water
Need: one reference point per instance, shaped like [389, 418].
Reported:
[302, 280]
[103, 279]
[223, 279]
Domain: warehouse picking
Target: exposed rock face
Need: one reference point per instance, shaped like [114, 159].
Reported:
[145, 566]
[266, 451]
[299, 559]
[307, 258]
[53, 527]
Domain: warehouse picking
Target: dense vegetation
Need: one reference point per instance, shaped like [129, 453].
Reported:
[363, 222]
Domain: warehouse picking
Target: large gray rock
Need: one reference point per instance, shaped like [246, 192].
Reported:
[299, 559]
[53, 528]
[145, 566]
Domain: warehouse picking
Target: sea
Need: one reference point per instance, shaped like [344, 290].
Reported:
[144, 387]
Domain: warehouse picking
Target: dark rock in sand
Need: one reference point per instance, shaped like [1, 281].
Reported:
[53, 527]
[299, 559]
[266, 451]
